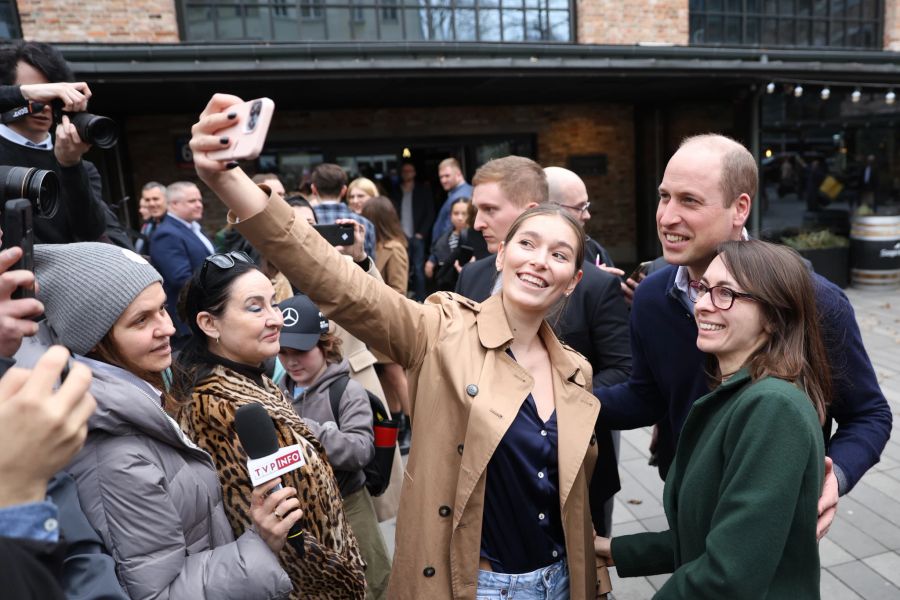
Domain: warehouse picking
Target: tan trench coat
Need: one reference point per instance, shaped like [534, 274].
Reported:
[466, 393]
[362, 369]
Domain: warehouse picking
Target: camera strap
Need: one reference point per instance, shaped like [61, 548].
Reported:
[21, 112]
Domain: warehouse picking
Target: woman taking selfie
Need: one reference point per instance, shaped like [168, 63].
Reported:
[503, 443]
[149, 492]
[741, 496]
[235, 325]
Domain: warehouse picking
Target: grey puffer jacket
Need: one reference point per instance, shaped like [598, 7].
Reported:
[155, 500]
[349, 448]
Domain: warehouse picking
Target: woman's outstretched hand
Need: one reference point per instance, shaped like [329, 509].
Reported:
[229, 183]
[603, 549]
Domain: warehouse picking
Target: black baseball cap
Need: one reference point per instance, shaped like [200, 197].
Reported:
[303, 323]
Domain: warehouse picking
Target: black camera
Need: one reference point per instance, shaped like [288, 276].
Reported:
[38, 186]
[24, 193]
[92, 129]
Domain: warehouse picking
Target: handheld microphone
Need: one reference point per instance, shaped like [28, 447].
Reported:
[267, 461]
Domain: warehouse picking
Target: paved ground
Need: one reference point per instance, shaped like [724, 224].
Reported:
[861, 554]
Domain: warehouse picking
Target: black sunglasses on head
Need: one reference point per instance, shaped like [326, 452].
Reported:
[224, 261]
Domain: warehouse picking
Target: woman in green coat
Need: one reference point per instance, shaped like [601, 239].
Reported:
[741, 495]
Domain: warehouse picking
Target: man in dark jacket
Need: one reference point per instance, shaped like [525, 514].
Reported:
[705, 199]
[594, 319]
[415, 207]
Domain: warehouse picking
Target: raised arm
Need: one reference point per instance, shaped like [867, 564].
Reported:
[371, 311]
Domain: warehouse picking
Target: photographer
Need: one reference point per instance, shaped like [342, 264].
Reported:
[26, 142]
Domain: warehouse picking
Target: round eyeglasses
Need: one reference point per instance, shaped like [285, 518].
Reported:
[722, 297]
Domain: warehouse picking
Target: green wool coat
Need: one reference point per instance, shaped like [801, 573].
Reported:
[741, 499]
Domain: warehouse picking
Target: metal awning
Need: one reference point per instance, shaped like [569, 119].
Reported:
[166, 77]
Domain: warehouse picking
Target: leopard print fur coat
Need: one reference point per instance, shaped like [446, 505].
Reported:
[332, 567]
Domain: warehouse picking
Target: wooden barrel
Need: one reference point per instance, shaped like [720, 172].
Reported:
[875, 252]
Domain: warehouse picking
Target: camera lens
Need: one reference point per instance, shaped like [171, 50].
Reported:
[94, 129]
[255, 109]
[37, 185]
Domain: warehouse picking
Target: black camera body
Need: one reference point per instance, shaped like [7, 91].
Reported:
[93, 129]
[24, 193]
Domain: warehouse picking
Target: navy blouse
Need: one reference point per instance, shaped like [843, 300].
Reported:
[522, 526]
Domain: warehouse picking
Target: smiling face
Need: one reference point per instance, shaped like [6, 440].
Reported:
[155, 199]
[303, 367]
[36, 126]
[357, 198]
[538, 264]
[496, 213]
[188, 205]
[691, 218]
[730, 335]
[141, 334]
[250, 323]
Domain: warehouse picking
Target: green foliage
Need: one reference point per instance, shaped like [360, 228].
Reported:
[813, 240]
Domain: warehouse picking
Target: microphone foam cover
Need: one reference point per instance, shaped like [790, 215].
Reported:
[256, 430]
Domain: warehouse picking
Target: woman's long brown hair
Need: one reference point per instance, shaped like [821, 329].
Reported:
[381, 212]
[781, 283]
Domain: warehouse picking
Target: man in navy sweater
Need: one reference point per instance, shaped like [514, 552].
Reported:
[704, 199]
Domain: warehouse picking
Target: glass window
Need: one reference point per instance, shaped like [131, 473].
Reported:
[856, 24]
[9, 21]
[376, 20]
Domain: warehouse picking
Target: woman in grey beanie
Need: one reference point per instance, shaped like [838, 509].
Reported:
[149, 491]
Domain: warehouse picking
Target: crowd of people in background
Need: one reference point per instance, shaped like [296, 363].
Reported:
[494, 332]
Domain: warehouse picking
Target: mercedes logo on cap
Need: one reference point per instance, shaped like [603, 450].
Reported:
[290, 317]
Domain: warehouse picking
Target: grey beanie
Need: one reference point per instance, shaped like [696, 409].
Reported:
[85, 287]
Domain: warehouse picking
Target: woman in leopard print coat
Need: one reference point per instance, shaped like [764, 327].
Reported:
[230, 307]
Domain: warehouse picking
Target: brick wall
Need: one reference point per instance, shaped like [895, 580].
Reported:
[560, 131]
[892, 25]
[616, 22]
[101, 21]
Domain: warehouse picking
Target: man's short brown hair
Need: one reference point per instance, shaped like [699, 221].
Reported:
[522, 180]
[329, 180]
[451, 163]
[740, 175]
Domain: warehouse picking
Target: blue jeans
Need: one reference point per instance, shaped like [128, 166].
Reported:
[416, 252]
[549, 583]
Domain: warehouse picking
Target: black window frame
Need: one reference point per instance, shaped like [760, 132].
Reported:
[793, 27]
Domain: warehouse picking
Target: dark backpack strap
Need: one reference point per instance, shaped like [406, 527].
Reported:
[335, 392]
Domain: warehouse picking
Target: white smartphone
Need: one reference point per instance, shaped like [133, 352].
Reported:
[248, 135]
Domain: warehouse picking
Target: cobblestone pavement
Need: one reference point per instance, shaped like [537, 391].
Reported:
[861, 553]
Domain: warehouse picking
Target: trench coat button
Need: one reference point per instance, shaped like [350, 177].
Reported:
[428, 572]
[459, 449]
[472, 390]
[444, 511]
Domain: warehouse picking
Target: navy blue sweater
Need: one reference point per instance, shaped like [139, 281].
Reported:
[669, 373]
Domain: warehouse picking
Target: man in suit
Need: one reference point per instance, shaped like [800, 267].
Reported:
[415, 206]
[153, 196]
[568, 190]
[178, 246]
[595, 319]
